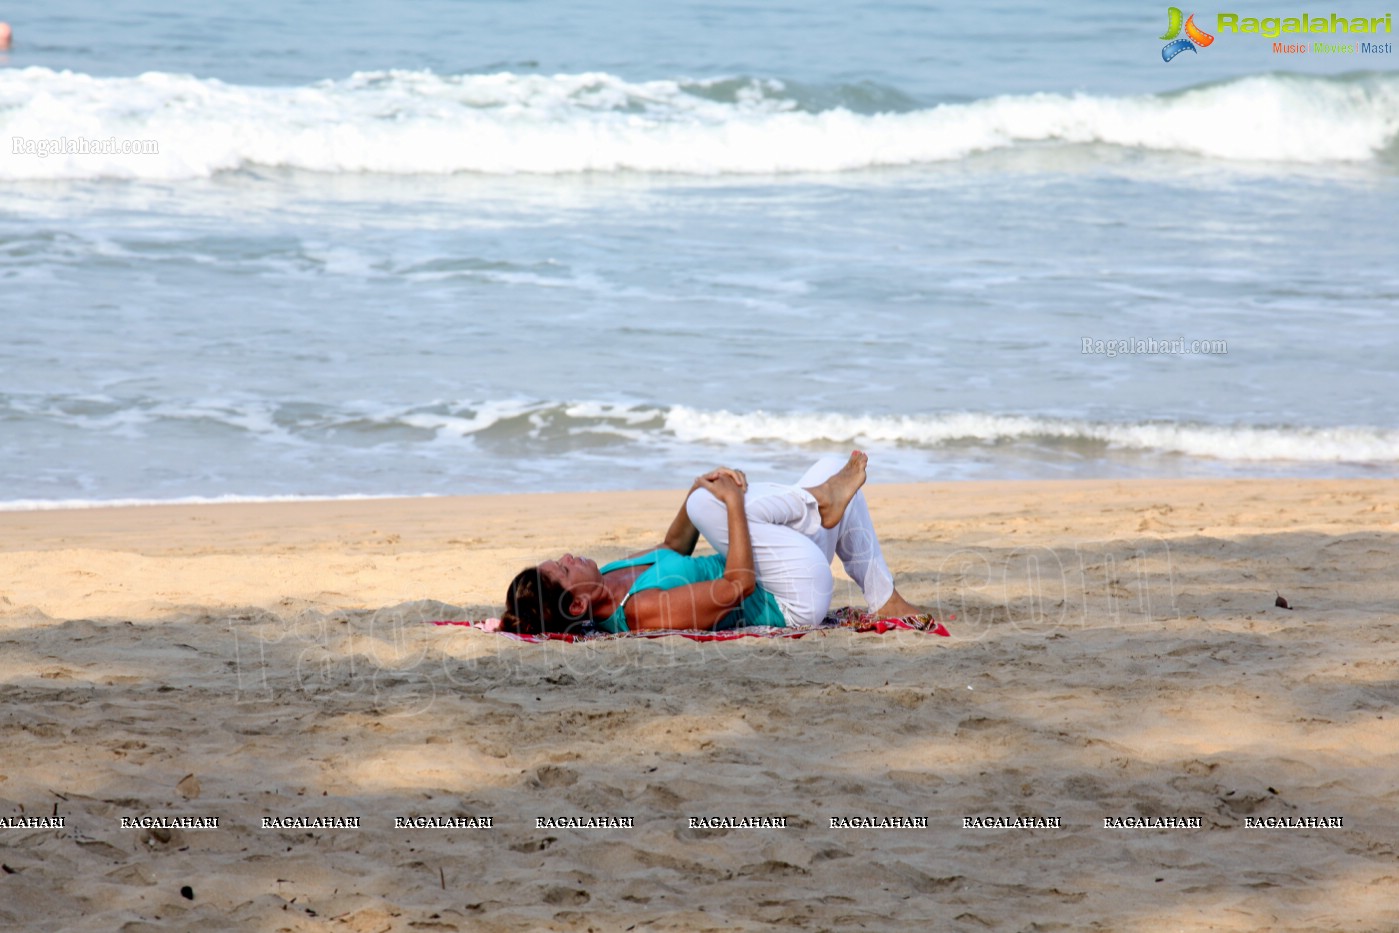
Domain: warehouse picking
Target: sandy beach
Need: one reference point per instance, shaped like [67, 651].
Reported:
[1123, 733]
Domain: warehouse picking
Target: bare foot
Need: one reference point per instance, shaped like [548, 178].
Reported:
[898, 608]
[835, 494]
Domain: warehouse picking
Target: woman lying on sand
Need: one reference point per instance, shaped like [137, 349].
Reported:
[775, 545]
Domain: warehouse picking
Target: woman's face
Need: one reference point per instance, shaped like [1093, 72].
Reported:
[579, 576]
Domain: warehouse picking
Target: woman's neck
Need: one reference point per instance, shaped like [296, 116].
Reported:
[615, 586]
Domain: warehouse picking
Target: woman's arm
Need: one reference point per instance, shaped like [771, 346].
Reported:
[702, 605]
[682, 536]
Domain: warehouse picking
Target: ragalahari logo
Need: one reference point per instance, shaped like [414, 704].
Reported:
[1193, 36]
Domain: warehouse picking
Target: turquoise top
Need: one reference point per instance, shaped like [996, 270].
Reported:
[670, 569]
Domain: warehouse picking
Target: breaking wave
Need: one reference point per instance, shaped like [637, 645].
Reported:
[419, 122]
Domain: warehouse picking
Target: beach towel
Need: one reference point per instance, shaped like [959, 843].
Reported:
[847, 617]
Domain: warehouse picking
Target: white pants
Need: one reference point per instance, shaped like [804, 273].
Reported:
[792, 552]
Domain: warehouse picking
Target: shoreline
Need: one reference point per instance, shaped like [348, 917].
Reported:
[463, 549]
[355, 553]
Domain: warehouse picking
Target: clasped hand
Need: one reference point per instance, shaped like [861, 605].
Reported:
[725, 483]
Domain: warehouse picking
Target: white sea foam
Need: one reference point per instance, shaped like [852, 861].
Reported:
[1359, 444]
[520, 446]
[53, 505]
[419, 122]
[552, 426]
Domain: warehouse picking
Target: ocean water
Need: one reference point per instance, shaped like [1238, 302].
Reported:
[459, 247]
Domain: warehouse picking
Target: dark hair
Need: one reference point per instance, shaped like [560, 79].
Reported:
[534, 604]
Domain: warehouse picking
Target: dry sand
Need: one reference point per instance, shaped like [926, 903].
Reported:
[1116, 653]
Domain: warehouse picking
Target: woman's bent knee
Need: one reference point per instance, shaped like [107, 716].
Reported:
[709, 515]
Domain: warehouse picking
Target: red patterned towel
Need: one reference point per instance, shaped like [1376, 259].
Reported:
[847, 617]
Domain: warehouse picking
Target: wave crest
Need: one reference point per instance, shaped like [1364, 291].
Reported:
[1352, 444]
[410, 122]
[532, 427]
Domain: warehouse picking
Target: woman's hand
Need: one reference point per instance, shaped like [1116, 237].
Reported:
[723, 485]
[736, 475]
[682, 536]
[701, 605]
